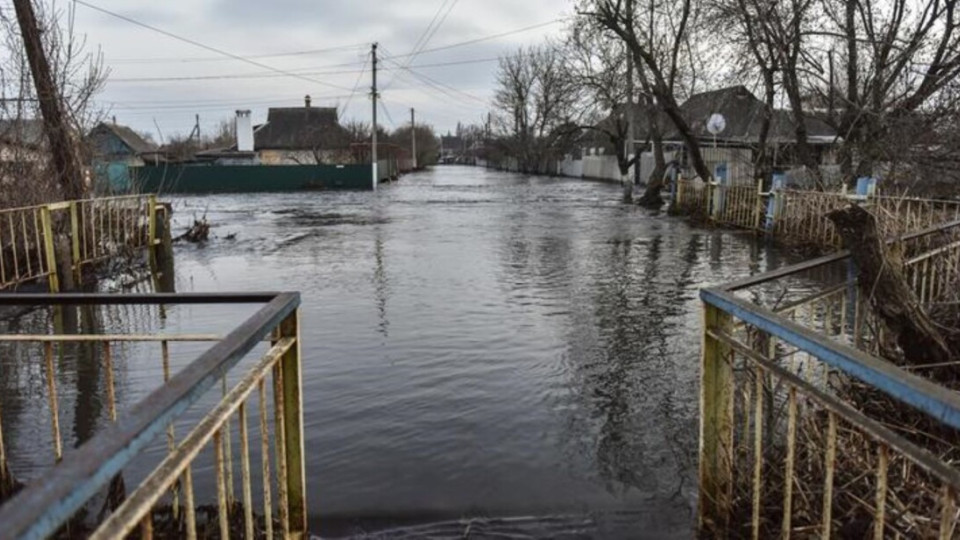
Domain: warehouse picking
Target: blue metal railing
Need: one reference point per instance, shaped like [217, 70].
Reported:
[51, 501]
[780, 384]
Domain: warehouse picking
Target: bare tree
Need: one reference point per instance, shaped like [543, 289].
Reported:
[754, 54]
[535, 99]
[658, 36]
[77, 74]
[901, 63]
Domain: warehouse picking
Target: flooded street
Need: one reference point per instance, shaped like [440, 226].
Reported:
[478, 344]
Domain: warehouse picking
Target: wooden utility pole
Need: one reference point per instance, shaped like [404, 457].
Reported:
[413, 138]
[373, 94]
[66, 160]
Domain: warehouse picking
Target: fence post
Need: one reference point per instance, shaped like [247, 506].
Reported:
[716, 427]
[75, 241]
[152, 221]
[49, 248]
[293, 429]
[758, 210]
[679, 199]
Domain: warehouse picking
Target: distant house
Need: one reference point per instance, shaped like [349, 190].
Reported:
[302, 135]
[115, 149]
[730, 152]
[113, 143]
[452, 147]
[21, 144]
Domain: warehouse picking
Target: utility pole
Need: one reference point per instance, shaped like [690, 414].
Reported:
[66, 160]
[413, 137]
[373, 95]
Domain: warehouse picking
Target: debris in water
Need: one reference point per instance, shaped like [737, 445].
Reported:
[199, 232]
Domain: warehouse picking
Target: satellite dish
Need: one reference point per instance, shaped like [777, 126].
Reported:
[716, 124]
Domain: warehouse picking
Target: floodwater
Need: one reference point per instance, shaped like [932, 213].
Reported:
[482, 351]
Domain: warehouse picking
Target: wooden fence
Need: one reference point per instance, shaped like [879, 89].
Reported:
[799, 216]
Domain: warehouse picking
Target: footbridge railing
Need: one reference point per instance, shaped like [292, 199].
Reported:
[805, 429]
[215, 449]
[37, 241]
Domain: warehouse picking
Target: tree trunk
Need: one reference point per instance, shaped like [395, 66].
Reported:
[880, 279]
[762, 166]
[803, 151]
[66, 161]
[651, 195]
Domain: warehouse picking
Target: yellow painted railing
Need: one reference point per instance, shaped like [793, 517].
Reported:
[35, 240]
[799, 216]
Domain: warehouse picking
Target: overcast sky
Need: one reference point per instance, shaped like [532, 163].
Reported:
[256, 28]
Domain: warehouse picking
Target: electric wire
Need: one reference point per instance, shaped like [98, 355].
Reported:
[204, 46]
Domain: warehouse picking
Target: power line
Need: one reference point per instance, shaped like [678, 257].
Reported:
[356, 86]
[426, 36]
[482, 39]
[299, 72]
[439, 86]
[203, 46]
[187, 60]
[387, 113]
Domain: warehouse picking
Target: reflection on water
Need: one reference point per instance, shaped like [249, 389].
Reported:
[481, 350]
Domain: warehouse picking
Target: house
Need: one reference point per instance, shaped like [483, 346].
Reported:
[302, 135]
[115, 149]
[21, 144]
[452, 148]
[730, 152]
[113, 143]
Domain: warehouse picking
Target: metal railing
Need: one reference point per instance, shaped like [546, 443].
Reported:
[95, 230]
[167, 501]
[804, 429]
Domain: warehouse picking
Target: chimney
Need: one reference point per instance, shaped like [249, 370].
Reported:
[244, 131]
[306, 101]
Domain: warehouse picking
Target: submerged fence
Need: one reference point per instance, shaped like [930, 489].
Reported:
[799, 216]
[35, 240]
[253, 371]
[805, 429]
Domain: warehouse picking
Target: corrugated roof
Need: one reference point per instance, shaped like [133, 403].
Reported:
[298, 128]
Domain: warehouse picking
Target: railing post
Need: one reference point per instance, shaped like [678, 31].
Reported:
[152, 221]
[75, 240]
[49, 248]
[716, 426]
[293, 429]
[758, 210]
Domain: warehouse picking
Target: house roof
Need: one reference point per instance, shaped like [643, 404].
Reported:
[298, 128]
[127, 136]
[27, 132]
[743, 113]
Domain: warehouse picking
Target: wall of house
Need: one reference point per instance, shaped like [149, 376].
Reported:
[604, 167]
[304, 157]
[739, 163]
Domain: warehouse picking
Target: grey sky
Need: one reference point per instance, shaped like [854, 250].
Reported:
[252, 27]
